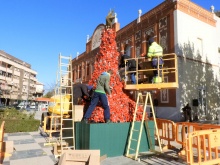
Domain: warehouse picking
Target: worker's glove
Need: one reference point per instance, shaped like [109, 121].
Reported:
[89, 98]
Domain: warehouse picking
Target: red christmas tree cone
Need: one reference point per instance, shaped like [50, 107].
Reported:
[121, 106]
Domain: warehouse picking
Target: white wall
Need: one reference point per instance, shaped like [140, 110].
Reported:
[197, 40]
[200, 41]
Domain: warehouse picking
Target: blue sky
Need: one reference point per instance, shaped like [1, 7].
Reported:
[36, 31]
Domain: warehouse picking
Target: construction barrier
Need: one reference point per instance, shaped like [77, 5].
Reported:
[202, 147]
[184, 128]
[166, 130]
[200, 142]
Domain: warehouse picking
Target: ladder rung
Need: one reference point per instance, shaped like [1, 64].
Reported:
[65, 57]
[70, 137]
[69, 147]
[57, 124]
[132, 149]
[62, 64]
[134, 140]
[68, 119]
[136, 130]
[68, 128]
[65, 85]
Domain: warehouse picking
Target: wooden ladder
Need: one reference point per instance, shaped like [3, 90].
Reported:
[136, 130]
[66, 140]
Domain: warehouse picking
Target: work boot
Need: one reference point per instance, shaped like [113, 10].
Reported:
[107, 121]
[84, 120]
[157, 79]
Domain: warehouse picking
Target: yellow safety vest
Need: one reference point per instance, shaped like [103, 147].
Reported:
[155, 50]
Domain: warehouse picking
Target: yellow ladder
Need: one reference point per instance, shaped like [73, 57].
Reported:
[134, 132]
[64, 91]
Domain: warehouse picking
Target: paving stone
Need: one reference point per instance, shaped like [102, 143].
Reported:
[27, 154]
[24, 141]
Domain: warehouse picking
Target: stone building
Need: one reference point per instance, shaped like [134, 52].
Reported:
[180, 27]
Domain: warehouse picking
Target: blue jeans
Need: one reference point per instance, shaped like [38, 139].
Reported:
[103, 98]
[155, 64]
[133, 78]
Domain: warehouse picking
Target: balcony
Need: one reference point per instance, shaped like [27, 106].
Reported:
[5, 88]
[32, 85]
[8, 79]
[17, 73]
[10, 83]
[24, 97]
[2, 68]
[25, 83]
[33, 78]
[2, 77]
[15, 89]
[8, 70]
[26, 76]
[39, 90]
[15, 81]
[24, 90]
[32, 91]
[13, 96]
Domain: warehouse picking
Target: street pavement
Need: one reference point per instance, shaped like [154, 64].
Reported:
[30, 148]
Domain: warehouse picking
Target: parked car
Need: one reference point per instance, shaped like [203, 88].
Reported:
[3, 107]
[33, 105]
[21, 105]
[42, 107]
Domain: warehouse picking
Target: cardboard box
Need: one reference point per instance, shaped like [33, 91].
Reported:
[80, 157]
[78, 112]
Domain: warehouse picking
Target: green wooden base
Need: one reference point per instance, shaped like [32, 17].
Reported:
[111, 139]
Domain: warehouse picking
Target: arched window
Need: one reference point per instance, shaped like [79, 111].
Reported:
[80, 71]
[138, 51]
[128, 50]
[87, 69]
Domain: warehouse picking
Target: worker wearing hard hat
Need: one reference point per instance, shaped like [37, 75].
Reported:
[155, 53]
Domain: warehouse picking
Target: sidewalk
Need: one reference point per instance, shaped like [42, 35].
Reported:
[29, 149]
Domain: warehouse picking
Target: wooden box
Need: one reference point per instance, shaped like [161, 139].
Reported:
[78, 112]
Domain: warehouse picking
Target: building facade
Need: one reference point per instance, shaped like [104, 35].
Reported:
[39, 90]
[17, 80]
[180, 27]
